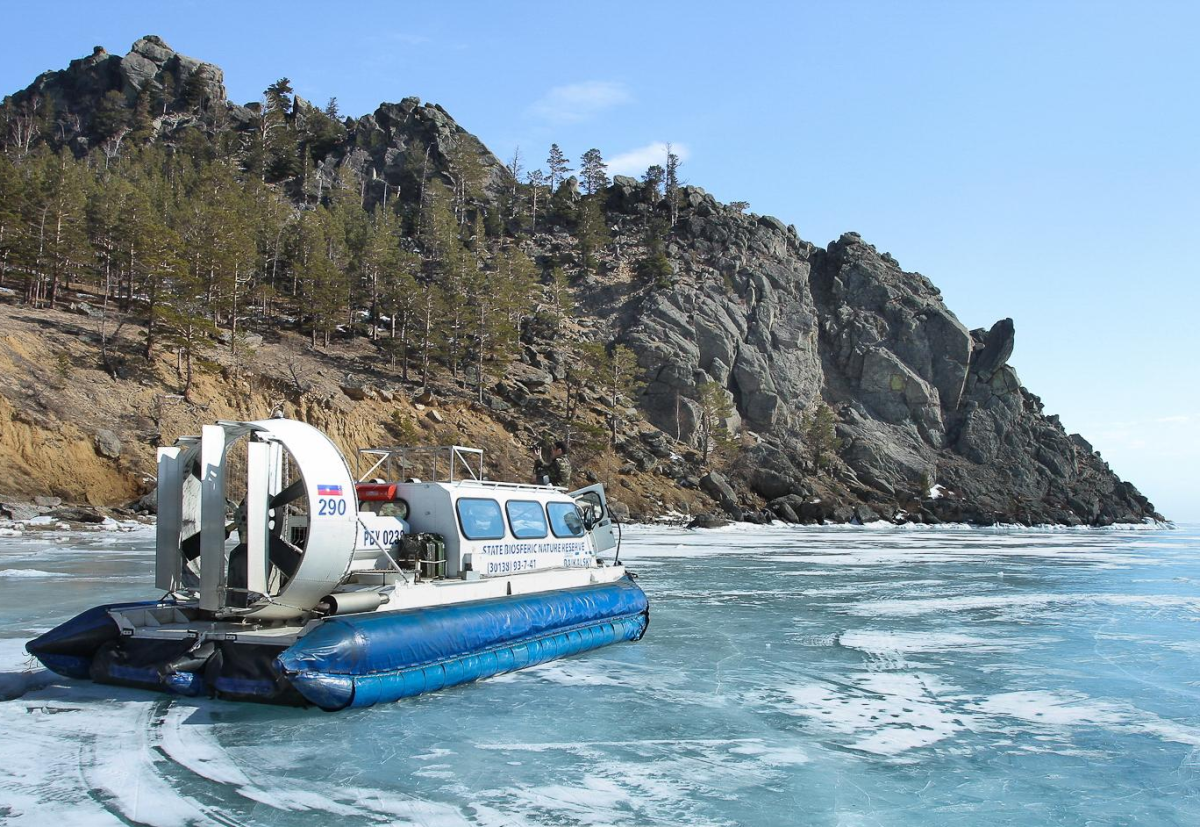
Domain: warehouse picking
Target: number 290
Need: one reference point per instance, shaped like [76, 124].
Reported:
[331, 507]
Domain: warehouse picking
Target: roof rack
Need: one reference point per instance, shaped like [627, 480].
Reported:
[457, 462]
[523, 486]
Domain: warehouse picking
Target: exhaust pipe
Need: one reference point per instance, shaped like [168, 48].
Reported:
[351, 602]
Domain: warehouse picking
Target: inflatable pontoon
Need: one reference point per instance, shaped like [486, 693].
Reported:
[343, 594]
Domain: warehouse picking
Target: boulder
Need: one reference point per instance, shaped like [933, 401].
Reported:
[107, 444]
[758, 517]
[771, 484]
[20, 511]
[77, 515]
[814, 510]
[841, 513]
[708, 520]
[146, 504]
[786, 508]
[495, 403]
[997, 348]
[865, 514]
[355, 390]
[534, 379]
[715, 485]
[618, 509]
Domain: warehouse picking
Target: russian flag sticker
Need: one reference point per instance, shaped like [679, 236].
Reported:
[329, 491]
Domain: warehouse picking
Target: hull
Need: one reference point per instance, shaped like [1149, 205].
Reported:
[356, 660]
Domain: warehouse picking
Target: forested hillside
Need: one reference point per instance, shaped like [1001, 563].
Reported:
[666, 335]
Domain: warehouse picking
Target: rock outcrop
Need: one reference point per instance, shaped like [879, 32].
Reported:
[928, 420]
[783, 326]
[742, 315]
[170, 84]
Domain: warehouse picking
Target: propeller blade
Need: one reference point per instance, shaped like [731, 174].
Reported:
[191, 547]
[284, 556]
[293, 492]
[237, 577]
[237, 567]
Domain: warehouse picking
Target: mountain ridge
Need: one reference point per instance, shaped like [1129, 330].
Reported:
[778, 326]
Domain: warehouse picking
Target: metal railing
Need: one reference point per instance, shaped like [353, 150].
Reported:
[431, 463]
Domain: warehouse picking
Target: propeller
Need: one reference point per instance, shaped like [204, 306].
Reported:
[290, 494]
[191, 549]
[282, 554]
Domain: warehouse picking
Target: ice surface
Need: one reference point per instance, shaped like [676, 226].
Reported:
[820, 676]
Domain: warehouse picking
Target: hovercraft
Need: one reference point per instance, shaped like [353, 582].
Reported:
[339, 593]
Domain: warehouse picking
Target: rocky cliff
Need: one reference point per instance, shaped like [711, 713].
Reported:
[921, 401]
[931, 421]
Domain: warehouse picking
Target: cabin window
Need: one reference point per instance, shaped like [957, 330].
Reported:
[393, 508]
[564, 520]
[526, 519]
[480, 519]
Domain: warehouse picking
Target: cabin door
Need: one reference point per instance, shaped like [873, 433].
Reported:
[596, 517]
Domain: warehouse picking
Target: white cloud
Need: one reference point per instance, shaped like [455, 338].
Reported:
[577, 102]
[635, 161]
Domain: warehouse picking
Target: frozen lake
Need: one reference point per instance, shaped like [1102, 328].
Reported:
[790, 676]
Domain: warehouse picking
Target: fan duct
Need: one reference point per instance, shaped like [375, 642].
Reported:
[295, 525]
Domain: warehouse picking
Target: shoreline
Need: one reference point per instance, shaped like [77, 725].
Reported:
[45, 526]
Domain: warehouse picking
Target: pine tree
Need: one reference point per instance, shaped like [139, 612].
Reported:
[218, 240]
[149, 257]
[400, 299]
[536, 180]
[652, 181]
[275, 155]
[468, 174]
[593, 170]
[558, 167]
[381, 258]
[592, 233]
[193, 92]
[515, 167]
[431, 304]
[186, 326]
[318, 135]
[111, 115]
[715, 408]
[615, 371]
[654, 266]
[26, 122]
[164, 93]
[821, 435]
[458, 274]
[272, 217]
[416, 171]
[672, 183]
[12, 196]
[54, 238]
[142, 127]
[558, 296]
[315, 253]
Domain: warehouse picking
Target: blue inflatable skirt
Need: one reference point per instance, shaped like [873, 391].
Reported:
[359, 660]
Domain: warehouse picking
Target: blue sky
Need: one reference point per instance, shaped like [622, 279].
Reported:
[1037, 160]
